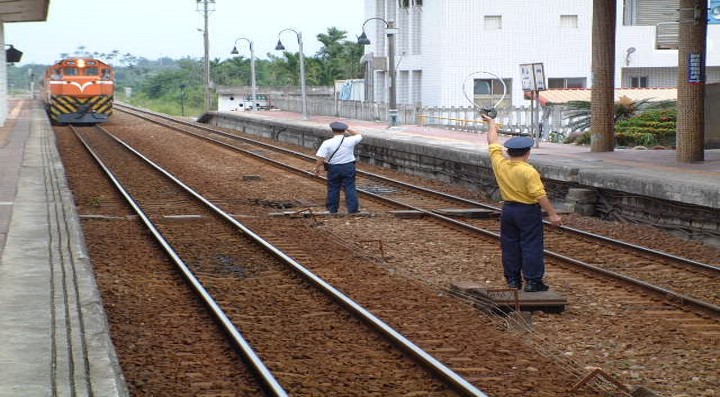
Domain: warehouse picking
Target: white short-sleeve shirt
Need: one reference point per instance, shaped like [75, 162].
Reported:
[345, 152]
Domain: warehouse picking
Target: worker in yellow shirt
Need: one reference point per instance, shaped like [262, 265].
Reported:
[521, 226]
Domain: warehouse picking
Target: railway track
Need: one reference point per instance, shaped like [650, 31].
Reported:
[434, 254]
[226, 262]
[672, 277]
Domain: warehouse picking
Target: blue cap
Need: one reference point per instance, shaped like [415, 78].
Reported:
[519, 142]
[338, 126]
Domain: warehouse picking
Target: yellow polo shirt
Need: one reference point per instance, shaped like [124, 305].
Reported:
[518, 180]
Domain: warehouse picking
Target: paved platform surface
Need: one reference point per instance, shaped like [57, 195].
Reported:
[655, 173]
[54, 338]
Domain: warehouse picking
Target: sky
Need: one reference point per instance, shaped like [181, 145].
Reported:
[173, 28]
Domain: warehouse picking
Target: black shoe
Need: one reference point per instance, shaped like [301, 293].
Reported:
[516, 284]
[536, 286]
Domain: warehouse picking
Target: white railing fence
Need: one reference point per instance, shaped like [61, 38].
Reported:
[516, 120]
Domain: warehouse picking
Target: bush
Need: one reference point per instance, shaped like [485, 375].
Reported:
[651, 127]
[579, 138]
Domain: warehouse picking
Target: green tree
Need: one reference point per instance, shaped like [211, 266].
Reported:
[285, 70]
[234, 71]
[156, 83]
[580, 116]
[19, 78]
[338, 59]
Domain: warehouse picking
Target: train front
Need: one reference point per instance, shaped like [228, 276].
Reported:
[80, 91]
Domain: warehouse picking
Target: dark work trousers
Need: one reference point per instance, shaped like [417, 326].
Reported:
[341, 176]
[521, 238]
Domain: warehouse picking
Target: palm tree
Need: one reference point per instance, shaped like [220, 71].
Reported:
[338, 59]
[580, 116]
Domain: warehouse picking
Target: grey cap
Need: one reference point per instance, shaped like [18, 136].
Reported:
[338, 126]
[519, 142]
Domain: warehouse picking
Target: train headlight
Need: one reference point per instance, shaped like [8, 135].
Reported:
[81, 63]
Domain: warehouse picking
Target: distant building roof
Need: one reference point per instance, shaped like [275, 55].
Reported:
[561, 96]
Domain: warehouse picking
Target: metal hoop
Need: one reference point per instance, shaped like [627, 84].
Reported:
[490, 111]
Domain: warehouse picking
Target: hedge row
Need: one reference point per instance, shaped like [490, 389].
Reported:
[650, 128]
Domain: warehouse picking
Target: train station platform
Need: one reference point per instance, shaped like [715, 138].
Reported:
[644, 184]
[54, 333]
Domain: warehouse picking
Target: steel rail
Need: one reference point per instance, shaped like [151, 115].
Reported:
[401, 341]
[700, 304]
[268, 379]
[443, 195]
[714, 309]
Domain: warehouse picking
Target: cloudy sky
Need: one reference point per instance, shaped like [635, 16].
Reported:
[173, 28]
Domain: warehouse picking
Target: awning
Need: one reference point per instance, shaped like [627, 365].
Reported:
[556, 97]
[24, 10]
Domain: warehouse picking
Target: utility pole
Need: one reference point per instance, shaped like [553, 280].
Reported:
[207, 4]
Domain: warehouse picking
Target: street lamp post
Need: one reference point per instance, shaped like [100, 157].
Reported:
[391, 31]
[252, 69]
[280, 47]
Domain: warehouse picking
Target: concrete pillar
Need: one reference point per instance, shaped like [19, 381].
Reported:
[692, 56]
[602, 104]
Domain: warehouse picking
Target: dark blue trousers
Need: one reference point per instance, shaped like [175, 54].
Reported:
[341, 176]
[521, 239]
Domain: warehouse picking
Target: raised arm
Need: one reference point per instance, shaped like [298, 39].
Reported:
[492, 134]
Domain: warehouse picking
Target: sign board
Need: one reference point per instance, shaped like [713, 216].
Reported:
[532, 76]
[695, 64]
[714, 12]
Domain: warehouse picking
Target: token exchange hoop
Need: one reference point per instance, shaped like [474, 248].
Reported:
[489, 109]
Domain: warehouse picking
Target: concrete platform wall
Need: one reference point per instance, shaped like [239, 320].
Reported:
[693, 213]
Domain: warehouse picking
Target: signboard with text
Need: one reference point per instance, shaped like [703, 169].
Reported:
[532, 76]
[714, 12]
[695, 67]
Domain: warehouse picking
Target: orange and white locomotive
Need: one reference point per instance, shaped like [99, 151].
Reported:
[79, 91]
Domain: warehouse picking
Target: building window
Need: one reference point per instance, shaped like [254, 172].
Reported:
[567, 82]
[569, 21]
[409, 3]
[639, 82]
[488, 91]
[493, 22]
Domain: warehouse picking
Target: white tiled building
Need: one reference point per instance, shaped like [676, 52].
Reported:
[444, 47]
[15, 11]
